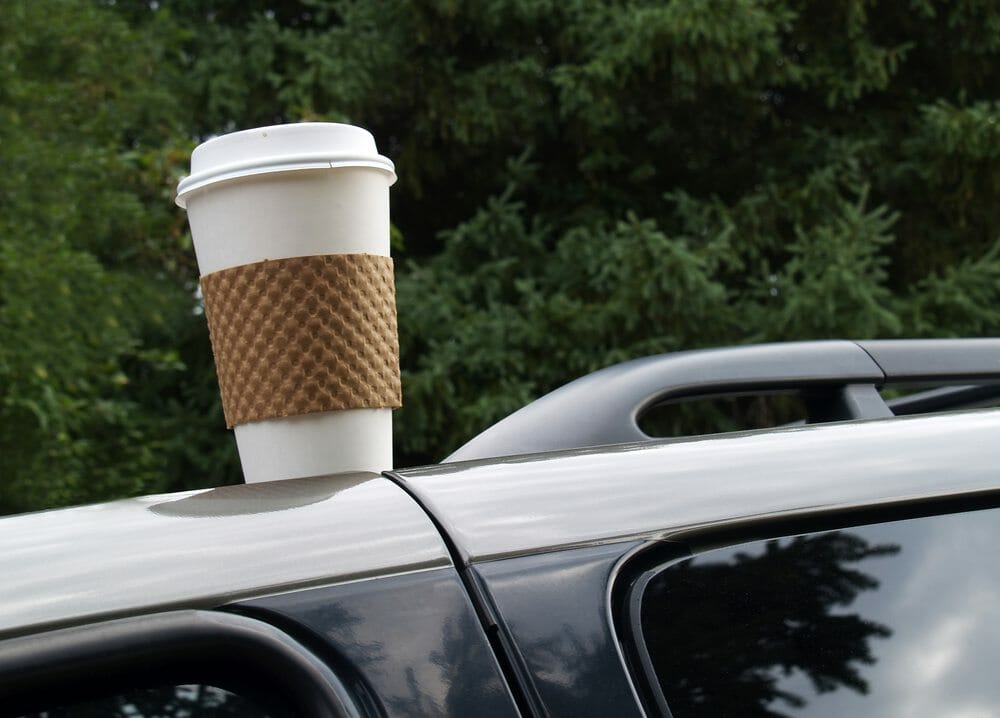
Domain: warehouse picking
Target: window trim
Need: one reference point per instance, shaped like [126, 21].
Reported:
[191, 646]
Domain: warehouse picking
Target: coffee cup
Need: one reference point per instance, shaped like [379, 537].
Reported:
[291, 232]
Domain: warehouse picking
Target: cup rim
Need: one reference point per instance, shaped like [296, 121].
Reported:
[287, 163]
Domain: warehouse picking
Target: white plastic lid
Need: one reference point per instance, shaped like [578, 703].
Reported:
[281, 148]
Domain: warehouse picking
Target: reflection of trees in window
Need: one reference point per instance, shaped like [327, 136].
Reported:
[721, 635]
[186, 701]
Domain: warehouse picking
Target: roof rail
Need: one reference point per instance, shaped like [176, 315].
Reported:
[838, 379]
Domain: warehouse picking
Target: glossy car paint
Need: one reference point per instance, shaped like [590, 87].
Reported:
[411, 645]
[205, 548]
[522, 526]
[667, 489]
[232, 652]
[555, 609]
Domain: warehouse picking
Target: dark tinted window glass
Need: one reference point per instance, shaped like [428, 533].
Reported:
[895, 619]
[187, 701]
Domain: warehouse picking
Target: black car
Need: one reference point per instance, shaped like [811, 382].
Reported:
[560, 564]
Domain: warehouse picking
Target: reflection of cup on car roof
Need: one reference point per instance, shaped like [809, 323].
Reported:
[291, 231]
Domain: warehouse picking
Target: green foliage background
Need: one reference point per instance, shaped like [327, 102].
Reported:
[580, 182]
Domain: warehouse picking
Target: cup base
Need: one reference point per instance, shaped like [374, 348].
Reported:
[316, 444]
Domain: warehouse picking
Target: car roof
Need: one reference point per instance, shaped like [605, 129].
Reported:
[520, 505]
[204, 548]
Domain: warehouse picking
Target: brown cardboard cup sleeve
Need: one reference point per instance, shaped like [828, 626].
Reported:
[304, 334]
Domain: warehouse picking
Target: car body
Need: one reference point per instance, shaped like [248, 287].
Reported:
[519, 584]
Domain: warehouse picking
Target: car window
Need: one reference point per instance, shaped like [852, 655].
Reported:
[892, 619]
[172, 701]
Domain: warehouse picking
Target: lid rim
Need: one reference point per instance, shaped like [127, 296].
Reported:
[288, 163]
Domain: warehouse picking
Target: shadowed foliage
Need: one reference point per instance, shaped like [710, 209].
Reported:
[579, 183]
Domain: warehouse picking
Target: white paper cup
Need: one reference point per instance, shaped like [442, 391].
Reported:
[294, 191]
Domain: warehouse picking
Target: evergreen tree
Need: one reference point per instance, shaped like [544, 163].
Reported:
[580, 183]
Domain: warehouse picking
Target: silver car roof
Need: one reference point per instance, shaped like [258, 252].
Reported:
[206, 548]
[660, 490]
